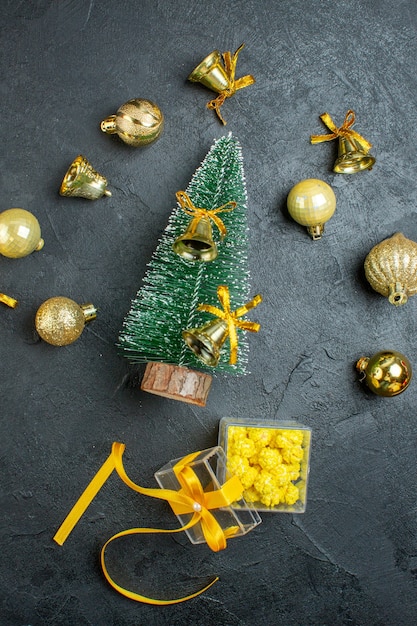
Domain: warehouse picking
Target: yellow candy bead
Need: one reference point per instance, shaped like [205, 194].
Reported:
[269, 458]
[20, 233]
[311, 203]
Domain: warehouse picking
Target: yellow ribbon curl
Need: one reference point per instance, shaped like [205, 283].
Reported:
[8, 301]
[186, 204]
[229, 62]
[190, 499]
[344, 131]
[231, 317]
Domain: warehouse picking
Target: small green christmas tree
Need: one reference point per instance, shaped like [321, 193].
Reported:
[173, 288]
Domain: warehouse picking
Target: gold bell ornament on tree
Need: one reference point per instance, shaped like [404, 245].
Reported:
[217, 72]
[82, 180]
[391, 268]
[20, 233]
[311, 203]
[387, 373]
[206, 341]
[353, 153]
[197, 243]
[138, 122]
[60, 321]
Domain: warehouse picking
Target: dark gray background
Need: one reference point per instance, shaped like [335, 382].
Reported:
[352, 557]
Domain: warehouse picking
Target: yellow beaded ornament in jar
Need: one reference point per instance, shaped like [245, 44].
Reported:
[20, 233]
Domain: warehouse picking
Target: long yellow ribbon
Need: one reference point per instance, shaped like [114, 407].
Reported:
[186, 204]
[190, 499]
[230, 62]
[344, 131]
[231, 317]
[8, 300]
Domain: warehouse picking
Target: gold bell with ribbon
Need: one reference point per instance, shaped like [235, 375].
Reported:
[206, 341]
[217, 73]
[137, 122]
[353, 150]
[196, 243]
[82, 180]
[199, 490]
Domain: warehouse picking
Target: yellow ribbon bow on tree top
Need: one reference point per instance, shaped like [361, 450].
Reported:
[231, 317]
[344, 131]
[189, 208]
[229, 62]
[189, 499]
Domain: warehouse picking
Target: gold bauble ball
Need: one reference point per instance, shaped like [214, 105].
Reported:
[138, 122]
[387, 373]
[311, 203]
[20, 233]
[60, 321]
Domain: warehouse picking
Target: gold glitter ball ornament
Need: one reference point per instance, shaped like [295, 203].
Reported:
[60, 321]
[20, 233]
[138, 122]
[387, 373]
[391, 268]
[311, 203]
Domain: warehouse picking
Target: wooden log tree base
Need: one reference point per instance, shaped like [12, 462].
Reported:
[177, 383]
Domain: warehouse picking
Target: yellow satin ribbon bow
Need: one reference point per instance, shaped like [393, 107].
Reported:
[190, 499]
[344, 131]
[230, 68]
[231, 317]
[189, 208]
[8, 300]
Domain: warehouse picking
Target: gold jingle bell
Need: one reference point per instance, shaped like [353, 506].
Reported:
[207, 340]
[388, 373]
[20, 233]
[391, 268]
[211, 73]
[60, 321]
[197, 244]
[138, 122]
[311, 203]
[351, 157]
[83, 181]
[353, 149]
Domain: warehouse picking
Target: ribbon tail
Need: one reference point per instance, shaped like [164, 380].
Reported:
[242, 310]
[361, 140]
[8, 301]
[319, 138]
[244, 81]
[233, 343]
[85, 499]
[133, 595]
[216, 104]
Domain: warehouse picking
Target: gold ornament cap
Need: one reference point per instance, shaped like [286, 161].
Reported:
[391, 268]
[60, 321]
[311, 203]
[20, 233]
[387, 373]
[138, 122]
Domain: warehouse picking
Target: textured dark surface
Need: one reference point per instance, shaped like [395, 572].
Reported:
[352, 557]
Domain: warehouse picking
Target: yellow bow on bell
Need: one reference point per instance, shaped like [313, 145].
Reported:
[344, 131]
[186, 204]
[230, 62]
[231, 317]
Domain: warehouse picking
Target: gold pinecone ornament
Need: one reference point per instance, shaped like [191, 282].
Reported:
[391, 268]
